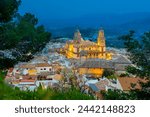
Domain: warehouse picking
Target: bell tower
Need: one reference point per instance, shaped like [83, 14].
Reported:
[77, 36]
[101, 38]
[101, 42]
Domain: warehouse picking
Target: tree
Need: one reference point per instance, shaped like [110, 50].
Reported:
[30, 18]
[114, 95]
[6, 63]
[24, 35]
[8, 9]
[139, 54]
[108, 73]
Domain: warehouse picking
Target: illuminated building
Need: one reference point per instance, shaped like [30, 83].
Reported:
[80, 48]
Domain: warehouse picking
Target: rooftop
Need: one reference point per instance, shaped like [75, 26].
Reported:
[126, 82]
[25, 80]
[93, 87]
[121, 60]
[101, 85]
[97, 63]
[43, 65]
[27, 65]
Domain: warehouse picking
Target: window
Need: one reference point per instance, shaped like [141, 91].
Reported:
[41, 69]
[44, 68]
[50, 69]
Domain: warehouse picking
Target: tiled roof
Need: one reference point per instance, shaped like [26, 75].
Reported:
[27, 80]
[101, 85]
[85, 44]
[32, 66]
[105, 82]
[122, 60]
[27, 65]
[43, 65]
[58, 77]
[26, 77]
[127, 81]
[121, 67]
[97, 63]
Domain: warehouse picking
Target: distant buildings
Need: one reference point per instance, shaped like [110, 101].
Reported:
[96, 67]
[83, 60]
[94, 87]
[30, 76]
[92, 58]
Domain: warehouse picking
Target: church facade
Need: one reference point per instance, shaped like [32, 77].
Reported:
[80, 48]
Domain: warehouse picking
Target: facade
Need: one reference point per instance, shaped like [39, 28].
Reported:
[32, 72]
[43, 67]
[94, 67]
[34, 69]
[28, 69]
[79, 48]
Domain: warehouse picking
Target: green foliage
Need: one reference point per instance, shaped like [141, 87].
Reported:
[30, 18]
[114, 95]
[112, 77]
[6, 63]
[118, 95]
[144, 93]
[24, 35]
[2, 75]
[108, 73]
[139, 54]
[124, 75]
[70, 94]
[8, 8]
[9, 93]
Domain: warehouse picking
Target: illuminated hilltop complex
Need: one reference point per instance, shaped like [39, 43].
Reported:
[93, 56]
[80, 48]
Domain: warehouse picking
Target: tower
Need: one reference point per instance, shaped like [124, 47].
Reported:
[77, 36]
[101, 42]
[101, 38]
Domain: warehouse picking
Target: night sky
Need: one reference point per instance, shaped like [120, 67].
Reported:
[85, 13]
[76, 8]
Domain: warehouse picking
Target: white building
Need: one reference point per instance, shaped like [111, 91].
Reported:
[44, 67]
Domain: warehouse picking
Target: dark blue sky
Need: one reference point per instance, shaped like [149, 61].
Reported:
[86, 13]
[75, 8]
